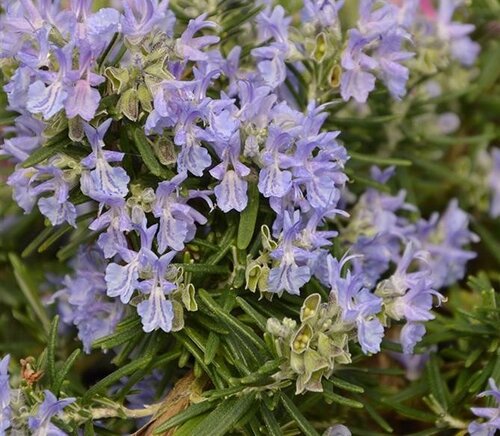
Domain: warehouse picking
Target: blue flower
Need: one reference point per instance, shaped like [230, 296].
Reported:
[374, 49]
[49, 99]
[5, 410]
[274, 179]
[494, 183]
[157, 312]
[177, 219]
[103, 183]
[445, 239]
[455, 34]
[28, 137]
[411, 334]
[40, 424]
[116, 221]
[83, 99]
[30, 184]
[409, 296]
[291, 271]
[141, 17]
[356, 81]
[101, 27]
[188, 46]
[123, 280]
[323, 12]
[359, 306]
[491, 414]
[81, 299]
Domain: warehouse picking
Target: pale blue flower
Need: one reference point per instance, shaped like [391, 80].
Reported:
[101, 181]
[40, 424]
[5, 391]
[491, 414]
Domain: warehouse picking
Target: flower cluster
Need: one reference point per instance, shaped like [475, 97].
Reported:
[160, 143]
[153, 131]
[315, 347]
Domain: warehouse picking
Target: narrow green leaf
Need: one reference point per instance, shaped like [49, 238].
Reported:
[248, 217]
[63, 372]
[128, 369]
[147, 153]
[58, 233]
[120, 336]
[297, 416]
[263, 373]
[22, 276]
[192, 411]
[51, 351]
[89, 429]
[212, 347]
[225, 245]
[376, 417]
[195, 352]
[231, 321]
[163, 359]
[46, 152]
[371, 121]
[214, 394]
[187, 428]
[35, 243]
[259, 319]
[225, 417]
[409, 412]
[272, 426]
[202, 268]
[345, 385]
[436, 382]
[378, 160]
[339, 399]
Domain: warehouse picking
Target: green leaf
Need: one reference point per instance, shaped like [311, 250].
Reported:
[192, 411]
[376, 416]
[149, 158]
[272, 426]
[212, 347]
[23, 279]
[377, 160]
[345, 385]
[436, 382]
[231, 321]
[39, 239]
[122, 334]
[56, 234]
[226, 416]
[366, 121]
[128, 369]
[187, 428]
[297, 416]
[409, 412]
[51, 351]
[194, 351]
[259, 319]
[63, 372]
[262, 374]
[248, 218]
[339, 399]
[47, 151]
[202, 268]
